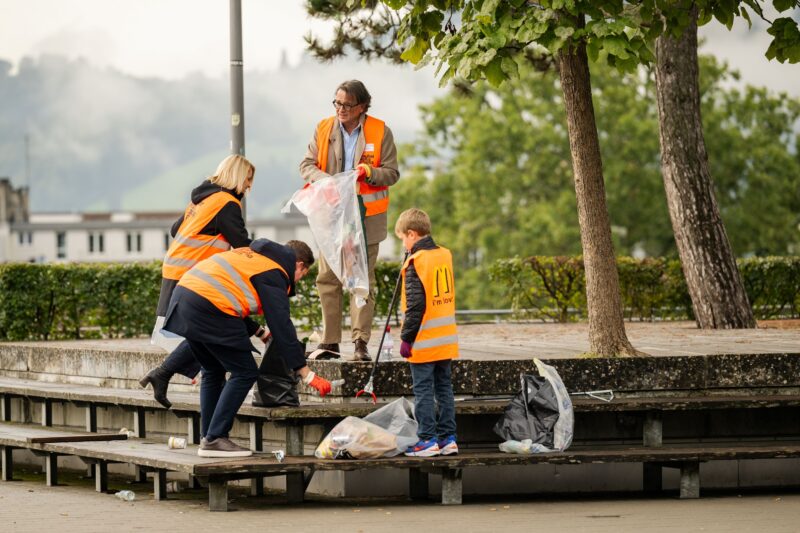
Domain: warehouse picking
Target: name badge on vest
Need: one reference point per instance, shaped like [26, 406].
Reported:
[368, 156]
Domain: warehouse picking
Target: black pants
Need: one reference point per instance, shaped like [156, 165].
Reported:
[182, 361]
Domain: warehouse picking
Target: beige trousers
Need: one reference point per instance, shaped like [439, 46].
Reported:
[330, 296]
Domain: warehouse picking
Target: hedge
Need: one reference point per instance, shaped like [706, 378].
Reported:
[93, 300]
[553, 288]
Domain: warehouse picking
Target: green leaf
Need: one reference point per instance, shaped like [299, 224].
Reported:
[395, 4]
[510, 67]
[494, 72]
[564, 32]
[616, 46]
[783, 5]
[413, 54]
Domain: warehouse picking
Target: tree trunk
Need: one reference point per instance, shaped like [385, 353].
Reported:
[607, 335]
[715, 285]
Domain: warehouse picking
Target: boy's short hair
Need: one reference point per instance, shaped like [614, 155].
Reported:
[302, 252]
[413, 219]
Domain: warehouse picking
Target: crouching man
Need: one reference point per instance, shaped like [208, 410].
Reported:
[211, 309]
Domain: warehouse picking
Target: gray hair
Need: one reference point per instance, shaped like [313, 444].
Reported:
[357, 90]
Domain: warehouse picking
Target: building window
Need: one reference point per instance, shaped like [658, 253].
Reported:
[166, 241]
[61, 245]
[96, 242]
[134, 242]
[21, 238]
[30, 237]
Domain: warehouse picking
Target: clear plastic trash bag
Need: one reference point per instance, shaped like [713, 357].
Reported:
[540, 417]
[165, 340]
[332, 208]
[386, 432]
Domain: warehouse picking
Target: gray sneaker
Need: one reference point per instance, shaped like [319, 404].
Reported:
[222, 447]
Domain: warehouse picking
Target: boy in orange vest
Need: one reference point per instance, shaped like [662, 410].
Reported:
[429, 338]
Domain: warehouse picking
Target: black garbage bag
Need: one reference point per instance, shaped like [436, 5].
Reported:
[276, 384]
[532, 413]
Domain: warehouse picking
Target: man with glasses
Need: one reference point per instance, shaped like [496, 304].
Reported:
[353, 140]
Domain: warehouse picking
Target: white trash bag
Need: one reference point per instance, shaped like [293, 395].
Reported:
[386, 432]
[165, 340]
[331, 206]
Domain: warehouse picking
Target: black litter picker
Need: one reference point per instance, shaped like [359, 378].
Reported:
[369, 388]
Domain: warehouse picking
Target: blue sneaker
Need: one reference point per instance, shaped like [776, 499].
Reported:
[424, 448]
[448, 446]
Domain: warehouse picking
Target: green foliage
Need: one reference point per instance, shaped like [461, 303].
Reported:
[491, 167]
[552, 288]
[92, 300]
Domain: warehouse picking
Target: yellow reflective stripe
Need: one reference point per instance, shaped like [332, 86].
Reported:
[237, 279]
[225, 293]
[433, 343]
[438, 322]
[375, 196]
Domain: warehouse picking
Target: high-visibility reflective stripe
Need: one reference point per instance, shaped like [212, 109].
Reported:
[438, 341]
[236, 278]
[374, 197]
[174, 261]
[197, 243]
[219, 287]
[438, 322]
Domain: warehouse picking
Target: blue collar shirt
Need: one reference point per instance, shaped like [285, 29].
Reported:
[349, 141]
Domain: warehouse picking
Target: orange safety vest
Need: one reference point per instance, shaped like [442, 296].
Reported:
[224, 280]
[437, 338]
[376, 199]
[190, 247]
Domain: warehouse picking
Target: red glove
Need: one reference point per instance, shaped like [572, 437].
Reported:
[363, 172]
[322, 385]
[405, 349]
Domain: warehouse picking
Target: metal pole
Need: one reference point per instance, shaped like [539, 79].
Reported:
[237, 83]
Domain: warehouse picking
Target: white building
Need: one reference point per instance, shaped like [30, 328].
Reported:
[112, 237]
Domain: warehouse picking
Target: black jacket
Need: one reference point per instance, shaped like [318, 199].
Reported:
[195, 318]
[228, 222]
[415, 294]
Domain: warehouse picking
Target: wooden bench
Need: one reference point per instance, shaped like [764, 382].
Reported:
[101, 450]
[294, 419]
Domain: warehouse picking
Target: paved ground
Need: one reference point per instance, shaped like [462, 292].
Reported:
[30, 506]
[523, 341]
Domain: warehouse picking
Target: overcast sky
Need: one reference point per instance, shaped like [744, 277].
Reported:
[171, 38]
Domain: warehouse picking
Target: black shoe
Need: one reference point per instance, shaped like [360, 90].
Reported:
[222, 447]
[159, 379]
[360, 353]
[324, 351]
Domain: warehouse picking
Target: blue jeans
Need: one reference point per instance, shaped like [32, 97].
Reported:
[220, 399]
[433, 380]
[182, 361]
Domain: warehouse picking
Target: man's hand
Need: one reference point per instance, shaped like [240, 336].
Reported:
[322, 385]
[363, 172]
[405, 349]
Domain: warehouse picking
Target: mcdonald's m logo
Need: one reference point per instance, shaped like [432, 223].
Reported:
[443, 281]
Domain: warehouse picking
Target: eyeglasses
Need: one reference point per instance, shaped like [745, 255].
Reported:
[347, 107]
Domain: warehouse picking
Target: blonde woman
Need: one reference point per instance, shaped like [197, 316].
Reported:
[212, 223]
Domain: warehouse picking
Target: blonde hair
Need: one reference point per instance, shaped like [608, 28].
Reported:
[232, 173]
[413, 219]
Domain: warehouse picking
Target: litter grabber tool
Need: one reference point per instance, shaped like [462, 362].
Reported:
[368, 388]
[603, 395]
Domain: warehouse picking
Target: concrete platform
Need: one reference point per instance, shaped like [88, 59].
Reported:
[509, 341]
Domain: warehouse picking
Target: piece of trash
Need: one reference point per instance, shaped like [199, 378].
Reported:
[337, 383]
[279, 455]
[128, 432]
[176, 443]
[174, 487]
[126, 495]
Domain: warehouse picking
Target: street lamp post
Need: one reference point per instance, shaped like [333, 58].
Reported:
[237, 82]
